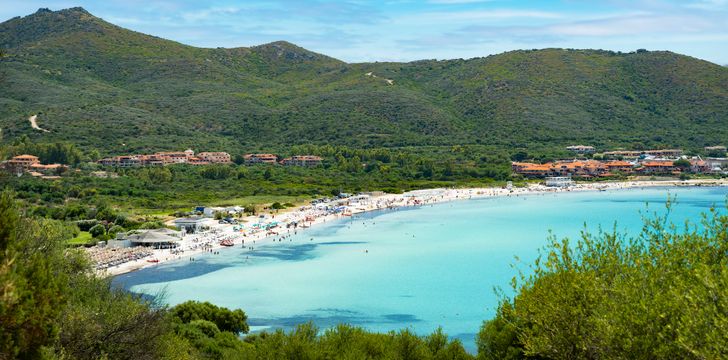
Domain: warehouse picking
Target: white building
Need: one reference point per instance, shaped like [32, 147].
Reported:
[210, 211]
[559, 181]
[190, 225]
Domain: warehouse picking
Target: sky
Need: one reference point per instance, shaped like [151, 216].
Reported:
[407, 30]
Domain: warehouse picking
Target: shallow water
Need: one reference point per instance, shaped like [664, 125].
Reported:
[421, 268]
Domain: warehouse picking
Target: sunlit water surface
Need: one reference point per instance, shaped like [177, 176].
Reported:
[420, 268]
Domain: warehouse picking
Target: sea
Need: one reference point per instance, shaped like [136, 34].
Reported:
[444, 265]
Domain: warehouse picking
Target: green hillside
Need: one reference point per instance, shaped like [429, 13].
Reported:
[99, 85]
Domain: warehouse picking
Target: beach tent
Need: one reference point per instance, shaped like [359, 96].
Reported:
[155, 237]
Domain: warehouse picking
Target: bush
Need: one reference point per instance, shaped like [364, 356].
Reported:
[207, 327]
[151, 225]
[97, 230]
[661, 295]
[225, 319]
[86, 225]
[115, 230]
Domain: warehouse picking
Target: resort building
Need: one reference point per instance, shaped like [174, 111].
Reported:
[251, 159]
[658, 167]
[717, 164]
[48, 169]
[128, 161]
[581, 149]
[197, 161]
[167, 158]
[578, 168]
[31, 164]
[635, 154]
[717, 150]
[302, 160]
[620, 166]
[530, 169]
[593, 168]
[699, 166]
[177, 157]
[215, 157]
[558, 181]
[23, 162]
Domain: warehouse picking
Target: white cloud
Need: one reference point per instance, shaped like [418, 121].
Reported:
[631, 26]
[428, 18]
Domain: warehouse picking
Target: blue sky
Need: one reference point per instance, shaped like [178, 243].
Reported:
[405, 30]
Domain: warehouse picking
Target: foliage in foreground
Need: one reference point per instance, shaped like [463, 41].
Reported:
[661, 295]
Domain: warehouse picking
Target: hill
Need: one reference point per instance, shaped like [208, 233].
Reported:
[102, 86]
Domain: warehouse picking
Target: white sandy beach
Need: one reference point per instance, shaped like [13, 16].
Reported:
[307, 216]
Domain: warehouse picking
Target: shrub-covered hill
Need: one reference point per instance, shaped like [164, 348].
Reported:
[99, 85]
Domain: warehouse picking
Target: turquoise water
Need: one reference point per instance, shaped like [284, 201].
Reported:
[420, 268]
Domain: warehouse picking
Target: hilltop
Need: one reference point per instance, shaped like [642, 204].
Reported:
[103, 86]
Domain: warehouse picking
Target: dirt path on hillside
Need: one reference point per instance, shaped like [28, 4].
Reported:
[34, 123]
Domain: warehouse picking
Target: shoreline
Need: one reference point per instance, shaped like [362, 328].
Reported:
[209, 241]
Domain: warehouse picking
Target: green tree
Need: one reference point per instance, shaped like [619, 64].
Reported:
[97, 230]
[682, 164]
[32, 291]
[226, 320]
[114, 230]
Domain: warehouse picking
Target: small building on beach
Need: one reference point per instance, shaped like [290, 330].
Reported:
[558, 181]
[190, 225]
[158, 238]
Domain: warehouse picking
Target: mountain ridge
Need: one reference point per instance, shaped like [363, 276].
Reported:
[81, 72]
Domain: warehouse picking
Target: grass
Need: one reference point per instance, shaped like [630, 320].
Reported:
[83, 238]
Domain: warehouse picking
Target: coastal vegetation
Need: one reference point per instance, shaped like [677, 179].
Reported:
[139, 193]
[659, 295]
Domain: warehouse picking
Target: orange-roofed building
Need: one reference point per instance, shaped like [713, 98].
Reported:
[302, 160]
[251, 159]
[22, 162]
[197, 161]
[658, 167]
[532, 170]
[700, 166]
[215, 157]
[618, 165]
[48, 169]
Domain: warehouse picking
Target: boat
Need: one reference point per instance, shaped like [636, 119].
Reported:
[227, 242]
[153, 260]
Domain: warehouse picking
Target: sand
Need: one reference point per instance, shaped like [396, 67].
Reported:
[310, 216]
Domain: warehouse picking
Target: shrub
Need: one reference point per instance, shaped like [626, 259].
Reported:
[97, 230]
